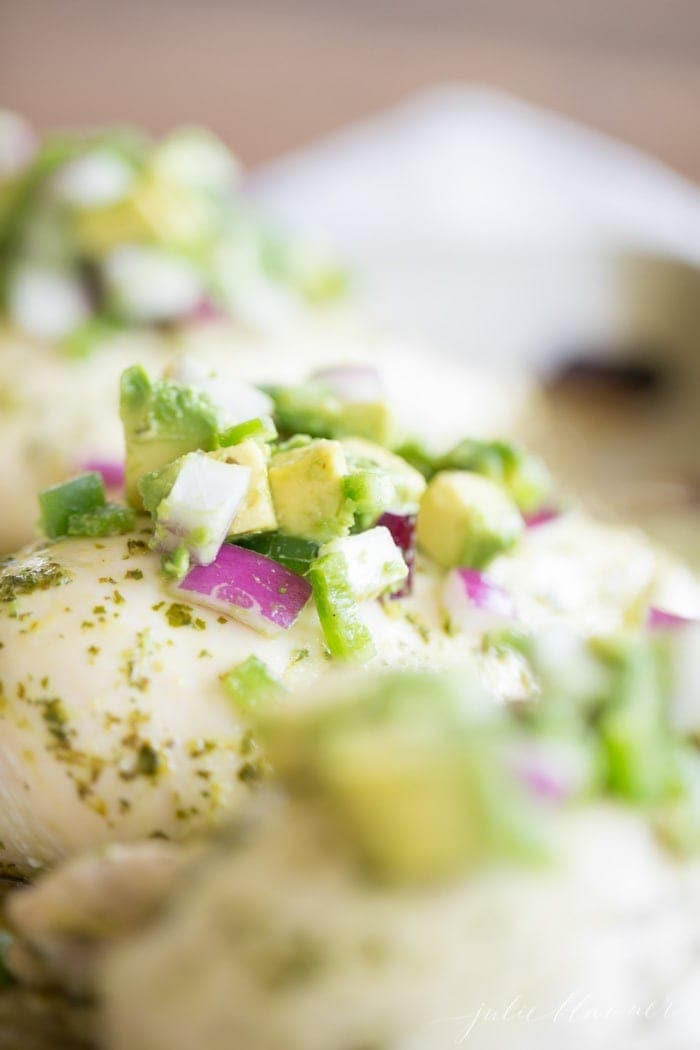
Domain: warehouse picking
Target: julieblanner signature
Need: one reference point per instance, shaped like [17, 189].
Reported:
[576, 1008]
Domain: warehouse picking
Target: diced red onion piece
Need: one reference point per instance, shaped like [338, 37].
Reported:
[206, 311]
[248, 587]
[474, 602]
[543, 516]
[351, 382]
[403, 532]
[662, 620]
[552, 771]
[112, 471]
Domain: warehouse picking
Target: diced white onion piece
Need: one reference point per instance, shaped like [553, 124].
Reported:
[403, 532]
[200, 507]
[47, 303]
[374, 563]
[96, 179]
[17, 143]
[351, 383]
[150, 284]
[235, 401]
[474, 603]
[249, 587]
[262, 305]
[195, 159]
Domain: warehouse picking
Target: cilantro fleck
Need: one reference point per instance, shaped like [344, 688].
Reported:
[56, 720]
[148, 761]
[37, 573]
[179, 615]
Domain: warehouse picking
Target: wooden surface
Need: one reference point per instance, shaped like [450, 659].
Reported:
[276, 74]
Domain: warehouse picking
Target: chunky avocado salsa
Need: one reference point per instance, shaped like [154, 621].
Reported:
[322, 512]
[106, 230]
[262, 503]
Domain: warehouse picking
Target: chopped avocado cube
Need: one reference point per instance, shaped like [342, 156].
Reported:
[373, 563]
[256, 513]
[80, 495]
[291, 551]
[307, 485]
[465, 519]
[153, 212]
[346, 635]
[308, 409]
[408, 483]
[415, 453]
[370, 492]
[110, 520]
[414, 765]
[373, 420]
[251, 685]
[162, 421]
[237, 403]
[523, 475]
[261, 428]
[198, 510]
[155, 486]
[312, 409]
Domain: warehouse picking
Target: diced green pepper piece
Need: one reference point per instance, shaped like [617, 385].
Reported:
[251, 685]
[346, 635]
[260, 429]
[634, 725]
[291, 551]
[80, 495]
[111, 520]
